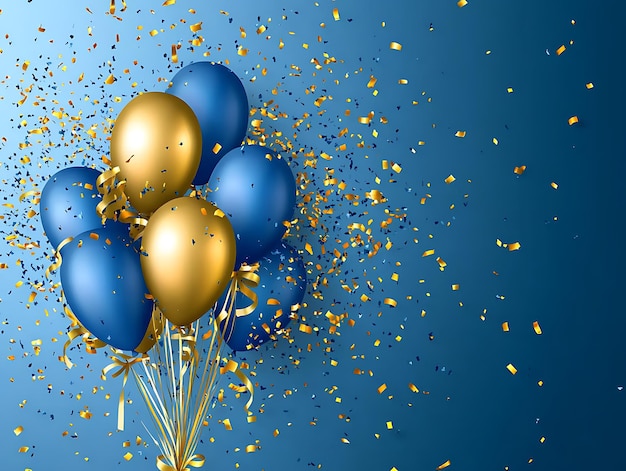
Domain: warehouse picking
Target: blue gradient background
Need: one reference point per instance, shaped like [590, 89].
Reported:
[568, 274]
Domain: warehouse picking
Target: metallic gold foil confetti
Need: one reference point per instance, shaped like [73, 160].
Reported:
[560, 50]
[514, 246]
[460, 133]
[18, 430]
[511, 368]
[573, 120]
[589, 85]
[537, 328]
[519, 170]
[395, 46]
[461, 3]
[336, 14]
[505, 326]
[449, 179]
[443, 465]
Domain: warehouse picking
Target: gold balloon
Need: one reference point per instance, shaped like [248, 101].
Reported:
[187, 257]
[156, 142]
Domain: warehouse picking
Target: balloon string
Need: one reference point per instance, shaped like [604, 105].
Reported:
[123, 363]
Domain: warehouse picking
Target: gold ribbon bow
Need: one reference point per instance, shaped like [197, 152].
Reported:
[123, 363]
[195, 461]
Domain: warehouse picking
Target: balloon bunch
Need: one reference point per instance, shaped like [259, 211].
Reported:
[143, 256]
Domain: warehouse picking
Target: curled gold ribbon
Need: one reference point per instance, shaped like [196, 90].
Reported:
[195, 461]
[155, 327]
[233, 367]
[244, 281]
[123, 363]
[77, 330]
[113, 197]
[58, 260]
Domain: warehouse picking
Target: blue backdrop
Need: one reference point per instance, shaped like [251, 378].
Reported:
[430, 140]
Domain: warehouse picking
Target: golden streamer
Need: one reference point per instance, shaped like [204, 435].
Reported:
[155, 327]
[113, 197]
[123, 363]
[233, 367]
[58, 260]
[244, 281]
[114, 203]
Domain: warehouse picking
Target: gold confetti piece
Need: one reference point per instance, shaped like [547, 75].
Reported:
[560, 50]
[542, 439]
[276, 432]
[153, 33]
[19, 283]
[395, 46]
[519, 170]
[554, 185]
[456, 287]
[251, 448]
[128, 456]
[540, 383]
[372, 82]
[461, 3]
[110, 79]
[345, 440]
[413, 388]
[402, 81]
[509, 90]
[443, 465]
[505, 326]
[537, 328]
[390, 302]
[174, 54]
[573, 120]
[514, 246]
[589, 86]
[306, 328]
[196, 27]
[389, 425]
[336, 14]
[227, 424]
[460, 134]
[23, 449]
[511, 368]
[18, 430]
[167, 3]
[382, 388]
[428, 253]
[449, 179]
[242, 51]
[396, 168]
[308, 248]
[495, 141]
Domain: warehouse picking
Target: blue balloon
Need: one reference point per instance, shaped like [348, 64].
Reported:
[283, 280]
[103, 284]
[68, 205]
[257, 191]
[219, 101]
